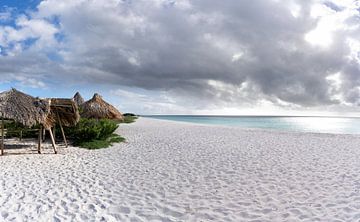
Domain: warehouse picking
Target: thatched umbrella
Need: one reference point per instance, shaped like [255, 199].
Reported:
[63, 112]
[26, 110]
[97, 108]
[78, 99]
[22, 108]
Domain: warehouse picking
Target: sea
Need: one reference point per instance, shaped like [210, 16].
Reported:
[315, 124]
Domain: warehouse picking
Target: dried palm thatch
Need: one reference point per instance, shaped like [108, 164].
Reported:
[78, 99]
[62, 111]
[22, 108]
[97, 108]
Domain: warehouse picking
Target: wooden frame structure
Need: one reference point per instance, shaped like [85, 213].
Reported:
[39, 138]
[61, 111]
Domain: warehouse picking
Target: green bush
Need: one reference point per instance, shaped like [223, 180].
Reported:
[116, 139]
[129, 114]
[98, 144]
[95, 144]
[107, 127]
[129, 119]
[13, 130]
[93, 133]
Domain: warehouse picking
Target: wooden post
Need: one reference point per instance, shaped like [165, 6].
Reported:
[52, 140]
[40, 139]
[2, 136]
[62, 130]
[20, 135]
[54, 132]
[43, 134]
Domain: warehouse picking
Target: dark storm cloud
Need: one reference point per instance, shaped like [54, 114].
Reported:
[219, 51]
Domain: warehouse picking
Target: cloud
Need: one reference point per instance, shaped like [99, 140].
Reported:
[200, 53]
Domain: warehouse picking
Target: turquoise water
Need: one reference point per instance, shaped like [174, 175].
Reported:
[343, 125]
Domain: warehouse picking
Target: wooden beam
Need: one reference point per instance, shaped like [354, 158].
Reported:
[52, 140]
[40, 139]
[62, 130]
[2, 136]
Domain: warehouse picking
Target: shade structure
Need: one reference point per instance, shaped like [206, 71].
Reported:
[62, 111]
[97, 108]
[23, 108]
[78, 99]
[26, 110]
[31, 111]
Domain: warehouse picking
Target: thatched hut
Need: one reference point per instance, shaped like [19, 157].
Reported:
[97, 108]
[78, 99]
[26, 110]
[22, 108]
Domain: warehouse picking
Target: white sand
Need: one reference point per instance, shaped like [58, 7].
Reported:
[172, 171]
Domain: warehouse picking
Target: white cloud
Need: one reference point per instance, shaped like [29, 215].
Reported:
[199, 54]
[330, 21]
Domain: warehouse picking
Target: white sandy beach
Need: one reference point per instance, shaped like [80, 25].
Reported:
[169, 171]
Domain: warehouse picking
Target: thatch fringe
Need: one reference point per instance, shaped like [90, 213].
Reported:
[97, 108]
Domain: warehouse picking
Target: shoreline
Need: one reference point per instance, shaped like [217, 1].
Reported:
[252, 129]
[173, 171]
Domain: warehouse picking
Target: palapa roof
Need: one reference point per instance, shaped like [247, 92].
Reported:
[78, 99]
[64, 110]
[22, 108]
[97, 108]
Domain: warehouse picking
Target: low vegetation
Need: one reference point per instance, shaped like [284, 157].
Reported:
[101, 143]
[14, 129]
[129, 119]
[94, 134]
[88, 133]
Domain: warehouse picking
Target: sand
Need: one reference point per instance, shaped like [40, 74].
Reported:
[169, 171]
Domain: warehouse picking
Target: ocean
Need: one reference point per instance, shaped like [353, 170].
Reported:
[339, 125]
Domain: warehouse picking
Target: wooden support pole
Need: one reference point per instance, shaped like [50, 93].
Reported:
[43, 134]
[40, 139]
[54, 132]
[2, 136]
[52, 140]
[62, 130]
[21, 135]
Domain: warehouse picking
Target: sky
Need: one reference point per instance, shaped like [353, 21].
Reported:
[244, 57]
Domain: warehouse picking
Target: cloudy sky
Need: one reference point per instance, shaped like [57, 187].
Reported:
[267, 57]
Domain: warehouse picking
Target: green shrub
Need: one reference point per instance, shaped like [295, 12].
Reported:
[129, 119]
[129, 114]
[116, 139]
[94, 134]
[13, 130]
[95, 144]
[98, 144]
[107, 127]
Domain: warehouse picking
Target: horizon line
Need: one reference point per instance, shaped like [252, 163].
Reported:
[216, 115]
